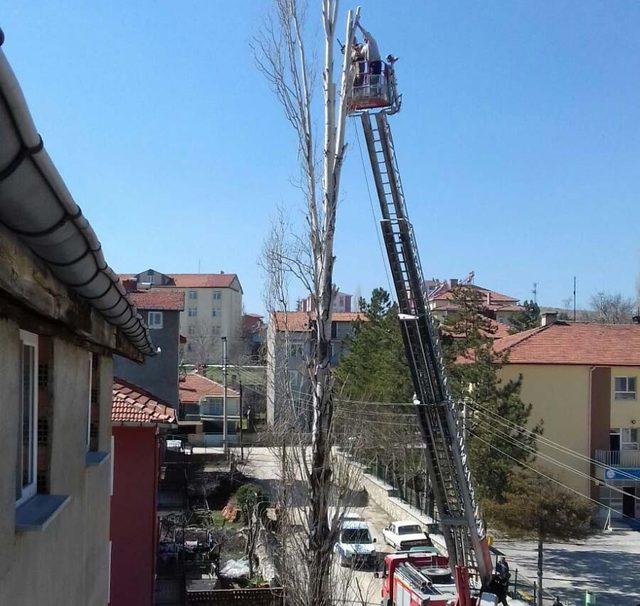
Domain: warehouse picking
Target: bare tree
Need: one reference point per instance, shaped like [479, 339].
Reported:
[611, 309]
[282, 56]
[202, 342]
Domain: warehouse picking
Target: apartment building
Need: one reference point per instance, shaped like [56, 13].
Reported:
[212, 310]
[341, 303]
[161, 309]
[63, 315]
[289, 340]
[495, 305]
[582, 380]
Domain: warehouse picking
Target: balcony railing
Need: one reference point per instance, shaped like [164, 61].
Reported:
[619, 458]
[217, 410]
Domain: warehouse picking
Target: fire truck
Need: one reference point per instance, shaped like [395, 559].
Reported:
[373, 97]
[413, 579]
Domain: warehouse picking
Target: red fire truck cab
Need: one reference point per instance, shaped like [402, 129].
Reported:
[407, 580]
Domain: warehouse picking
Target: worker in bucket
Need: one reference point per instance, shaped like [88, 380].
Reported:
[371, 52]
[357, 60]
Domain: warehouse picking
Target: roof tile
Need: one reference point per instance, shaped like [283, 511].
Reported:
[193, 387]
[300, 321]
[578, 343]
[158, 298]
[132, 404]
[203, 280]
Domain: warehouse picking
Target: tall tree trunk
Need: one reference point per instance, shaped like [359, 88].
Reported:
[539, 570]
[283, 60]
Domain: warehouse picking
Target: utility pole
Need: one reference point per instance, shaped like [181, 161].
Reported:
[224, 397]
[574, 298]
[535, 292]
[241, 421]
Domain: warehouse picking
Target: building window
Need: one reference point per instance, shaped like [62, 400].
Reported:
[217, 295]
[629, 438]
[215, 312]
[26, 484]
[191, 330]
[193, 295]
[89, 402]
[45, 411]
[93, 406]
[625, 388]
[155, 319]
[193, 312]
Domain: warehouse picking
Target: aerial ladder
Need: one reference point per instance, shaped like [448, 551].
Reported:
[374, 97]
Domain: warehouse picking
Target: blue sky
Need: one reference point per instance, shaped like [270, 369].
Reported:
[518, 140]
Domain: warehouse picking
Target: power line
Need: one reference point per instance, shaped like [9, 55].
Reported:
[550, 478]
[306, 400]
[546, 441]
[373, 213]
[514, 442]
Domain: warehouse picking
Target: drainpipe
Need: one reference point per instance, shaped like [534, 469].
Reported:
[224, 397]
[591, 453]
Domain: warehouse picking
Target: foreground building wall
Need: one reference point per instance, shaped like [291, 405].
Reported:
[66, 560]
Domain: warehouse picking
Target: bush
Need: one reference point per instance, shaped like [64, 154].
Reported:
[251, 497]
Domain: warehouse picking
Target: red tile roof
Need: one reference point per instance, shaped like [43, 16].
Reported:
[501, 329]
[490, 298]
[300, 321]
[132, 404]
[498, 330]
[251, 323]
[158, 298]
[580, 343]
[193, 387]
[203, 280]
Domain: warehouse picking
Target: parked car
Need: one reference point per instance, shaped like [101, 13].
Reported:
[356, 546]
[404, 535]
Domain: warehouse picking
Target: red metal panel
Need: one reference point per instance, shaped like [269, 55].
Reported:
[133, 516]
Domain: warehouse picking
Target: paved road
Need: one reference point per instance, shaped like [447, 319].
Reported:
[606, 564]
[359, 587]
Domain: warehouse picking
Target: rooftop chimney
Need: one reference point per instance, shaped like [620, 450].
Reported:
[453, 282]
[548, 318]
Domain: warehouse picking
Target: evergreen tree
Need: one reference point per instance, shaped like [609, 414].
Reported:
[473, 370]
[376, 367]
[528, 318]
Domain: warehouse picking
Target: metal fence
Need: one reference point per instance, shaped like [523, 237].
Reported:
[267, 596]
[412, 488]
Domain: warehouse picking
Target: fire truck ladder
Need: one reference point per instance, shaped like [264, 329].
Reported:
[446, 458]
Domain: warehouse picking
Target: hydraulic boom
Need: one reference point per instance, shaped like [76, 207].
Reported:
[446, 457]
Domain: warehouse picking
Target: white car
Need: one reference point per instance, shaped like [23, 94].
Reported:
[356, 546]
[404, 535]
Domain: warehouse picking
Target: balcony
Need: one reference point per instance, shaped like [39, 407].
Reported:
[216, 410]
[628, 459]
